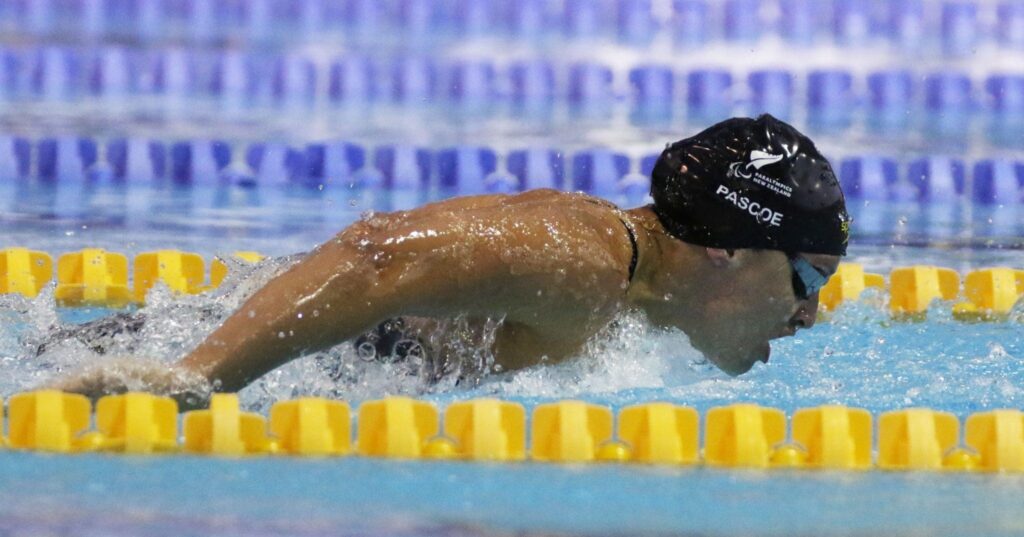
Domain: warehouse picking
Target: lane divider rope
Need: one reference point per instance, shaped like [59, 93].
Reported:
[830, 437]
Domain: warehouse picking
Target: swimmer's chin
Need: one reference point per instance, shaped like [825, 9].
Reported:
[737, 367]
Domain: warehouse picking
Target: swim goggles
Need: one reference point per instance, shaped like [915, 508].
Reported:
[807, 280]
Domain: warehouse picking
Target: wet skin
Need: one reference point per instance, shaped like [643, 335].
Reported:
[554, 265]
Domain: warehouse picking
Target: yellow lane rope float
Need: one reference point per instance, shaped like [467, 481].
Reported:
[829, 437]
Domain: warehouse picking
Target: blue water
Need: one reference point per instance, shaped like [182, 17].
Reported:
[186, 496]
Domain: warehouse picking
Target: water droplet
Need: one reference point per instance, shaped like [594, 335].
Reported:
[298, 315]
[667, 297]
[280, 335]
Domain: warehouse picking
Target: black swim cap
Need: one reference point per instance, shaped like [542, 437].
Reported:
[751, 183]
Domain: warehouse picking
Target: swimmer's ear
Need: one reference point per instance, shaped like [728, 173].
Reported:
[719, 257]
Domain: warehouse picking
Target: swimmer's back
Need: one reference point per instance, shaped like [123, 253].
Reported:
[554, 265]
[542, 199]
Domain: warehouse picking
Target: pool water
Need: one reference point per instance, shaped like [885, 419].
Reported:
[857, 357]
[935, 86]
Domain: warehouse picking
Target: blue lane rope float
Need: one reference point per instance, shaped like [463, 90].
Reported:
[96, 277]
[464, 169]
[830, 437]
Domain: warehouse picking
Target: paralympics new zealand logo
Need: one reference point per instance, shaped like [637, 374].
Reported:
[751, 172]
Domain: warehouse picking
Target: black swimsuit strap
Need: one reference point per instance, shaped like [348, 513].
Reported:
[636, 251]
[629, 229]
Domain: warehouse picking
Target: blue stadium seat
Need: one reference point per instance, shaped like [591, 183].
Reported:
[1010, 24]
[417, 18]
[470, 81]
[365, 18]
[136, 159]
[948, 93]
[474, 18]
[771, 91]
[653, 85]
[590, 83]
[352, 79]
[691, 23]
[174, 73]
[890, 93]
[413, 80]
[959, 27]
[598, 170]
[532, 81]
[868, 177]
[294, 79]
[537, 168]
[830, 96]
[200, 18]
[709, 93]
[145, 20]
[403, 166]
[851, 22]
[198, 161]
[743, 21]
[527, 19]
[334, 163]
[636, 22]
[64, 159]
[232, 78]
[465, 168]
[110, 73]
[94, 24]
[56, 73]
[800, 21]
[14, 157]
[12, 73]
[905, 23]
[256, 16]
[586, 19]
[37, 17]
[998, 181]
[937, 179]
[1007, 95]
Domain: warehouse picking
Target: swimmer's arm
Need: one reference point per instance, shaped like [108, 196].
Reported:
[349, 285]
[321, 301]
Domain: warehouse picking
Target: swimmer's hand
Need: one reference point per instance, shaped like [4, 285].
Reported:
[119, 375]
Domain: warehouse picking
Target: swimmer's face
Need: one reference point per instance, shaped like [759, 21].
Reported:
[749, 301]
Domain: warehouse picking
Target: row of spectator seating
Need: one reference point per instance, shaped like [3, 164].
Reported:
[955, 26]
[66, 73]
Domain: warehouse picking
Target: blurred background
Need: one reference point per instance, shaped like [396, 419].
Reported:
[302, 113]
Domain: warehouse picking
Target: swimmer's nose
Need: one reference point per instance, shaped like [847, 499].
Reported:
[806, 315]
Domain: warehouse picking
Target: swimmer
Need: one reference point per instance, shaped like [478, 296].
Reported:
[748, 223]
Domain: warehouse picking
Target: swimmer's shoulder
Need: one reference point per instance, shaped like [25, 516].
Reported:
[560, 200]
